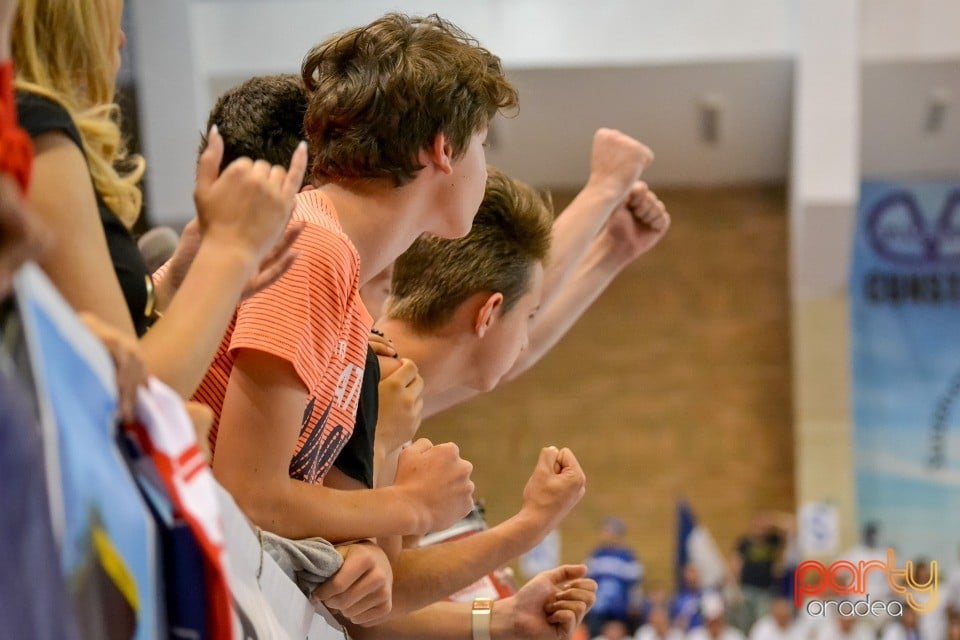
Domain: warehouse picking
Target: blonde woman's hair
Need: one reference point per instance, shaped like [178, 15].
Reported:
[63, 50]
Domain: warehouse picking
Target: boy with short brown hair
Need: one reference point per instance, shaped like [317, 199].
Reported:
[286, 380]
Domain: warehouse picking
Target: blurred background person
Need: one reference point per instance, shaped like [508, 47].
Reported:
[715, 625]
[657, 626]
[778, 624]
[615, 568]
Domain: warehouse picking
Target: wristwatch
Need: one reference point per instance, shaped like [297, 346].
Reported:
[480, 618]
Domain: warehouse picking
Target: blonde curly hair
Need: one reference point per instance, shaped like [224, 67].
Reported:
[64, 50]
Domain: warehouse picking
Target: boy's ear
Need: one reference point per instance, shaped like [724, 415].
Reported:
[487, 314]
[441, 153]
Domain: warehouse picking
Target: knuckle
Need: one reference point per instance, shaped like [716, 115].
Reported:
[240, 165]
[332, 601]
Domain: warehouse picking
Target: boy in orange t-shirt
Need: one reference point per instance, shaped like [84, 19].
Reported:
[397, 117]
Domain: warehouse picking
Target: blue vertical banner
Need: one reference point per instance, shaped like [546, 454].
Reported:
[905, 337]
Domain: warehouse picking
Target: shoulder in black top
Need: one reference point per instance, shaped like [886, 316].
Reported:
[39, 115]
[356, 458]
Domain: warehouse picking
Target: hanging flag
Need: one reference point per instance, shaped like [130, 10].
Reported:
[175, 479]
[695, 545]
[108, 546]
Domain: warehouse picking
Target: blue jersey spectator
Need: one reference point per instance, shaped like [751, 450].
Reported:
[617, 572]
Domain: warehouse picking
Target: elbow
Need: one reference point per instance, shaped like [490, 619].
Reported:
[261, 502]
[262, 513]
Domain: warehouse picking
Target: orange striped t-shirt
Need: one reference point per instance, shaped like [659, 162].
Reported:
[312, 318]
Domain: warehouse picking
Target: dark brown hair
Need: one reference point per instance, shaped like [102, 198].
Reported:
[261, 119]
[381, 93]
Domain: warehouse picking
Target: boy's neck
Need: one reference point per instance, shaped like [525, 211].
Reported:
[439, 357]
[381, 221]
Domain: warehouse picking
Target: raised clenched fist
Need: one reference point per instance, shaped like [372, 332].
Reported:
[556, 485]
[616, 162]
[637, 224]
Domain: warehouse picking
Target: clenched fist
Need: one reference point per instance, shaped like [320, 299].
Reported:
[401, 402]
[362, 589]
[638, 224]
[435, 481]
[556, 485]
[616, 162]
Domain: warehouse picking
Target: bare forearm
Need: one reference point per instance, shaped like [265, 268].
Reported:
[296, 510]
[439, 621]
[427, 575]
[385, 466]
[180, 346]
[592, 276]
[573, 232]
[596, 270]
[166, 286]
[392, 546]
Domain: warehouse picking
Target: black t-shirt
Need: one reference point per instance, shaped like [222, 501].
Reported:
[759, 557]
[39, 115]
[356, 458]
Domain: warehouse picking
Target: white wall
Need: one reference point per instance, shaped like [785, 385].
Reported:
[524, 33]
[915, 30]
[549, 142]
[898, 97]
[191, 51]
[643, 65]
[169, 86]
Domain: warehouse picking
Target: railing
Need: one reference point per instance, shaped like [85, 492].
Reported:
[267, 603]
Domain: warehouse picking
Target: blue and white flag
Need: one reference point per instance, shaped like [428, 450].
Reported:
[695, 545]
[108, 546]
